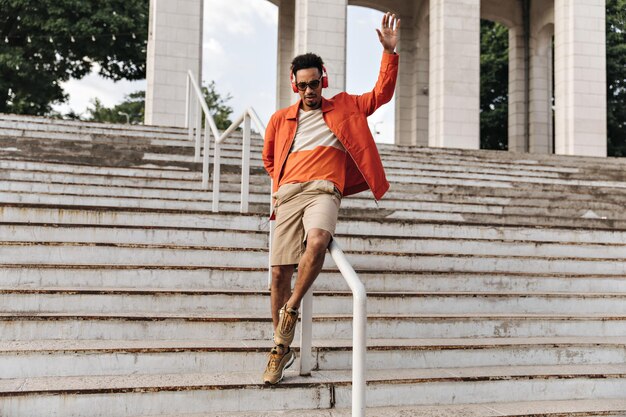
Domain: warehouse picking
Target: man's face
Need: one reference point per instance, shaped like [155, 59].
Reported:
[311, 97]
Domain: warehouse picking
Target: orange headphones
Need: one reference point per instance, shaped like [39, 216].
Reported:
[324, 79]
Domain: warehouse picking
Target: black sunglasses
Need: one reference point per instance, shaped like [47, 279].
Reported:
[312, 84]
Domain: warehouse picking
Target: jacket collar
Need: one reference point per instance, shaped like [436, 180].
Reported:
[292, 111]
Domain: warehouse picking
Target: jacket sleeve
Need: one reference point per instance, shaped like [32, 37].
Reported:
[268, 146]
[384, 88]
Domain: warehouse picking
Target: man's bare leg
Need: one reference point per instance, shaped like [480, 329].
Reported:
[310, 265]
[281, 289]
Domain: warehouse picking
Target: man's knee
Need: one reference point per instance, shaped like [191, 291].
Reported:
[317, 241]
[281, 274]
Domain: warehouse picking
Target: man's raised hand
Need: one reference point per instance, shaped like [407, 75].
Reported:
[389, 32]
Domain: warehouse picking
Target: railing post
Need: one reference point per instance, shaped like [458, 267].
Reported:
[269, 256]
[205, 157]
[190, 117]
[187, 96]
[271, 236]
[359, 349]
[216, 178]
[199, 114]
[306, 333]
[245, 164]
[359, 329]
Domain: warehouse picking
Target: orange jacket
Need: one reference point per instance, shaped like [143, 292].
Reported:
[346, 116]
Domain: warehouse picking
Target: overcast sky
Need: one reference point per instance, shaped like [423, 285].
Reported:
[239, 54]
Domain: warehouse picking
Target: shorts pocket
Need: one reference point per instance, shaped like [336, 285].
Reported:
[285, 192]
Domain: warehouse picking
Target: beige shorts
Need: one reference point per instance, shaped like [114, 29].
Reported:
[300, 208]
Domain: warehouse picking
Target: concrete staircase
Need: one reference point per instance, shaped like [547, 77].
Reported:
[496, 283]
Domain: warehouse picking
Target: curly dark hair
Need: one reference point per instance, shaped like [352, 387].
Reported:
[304, 61]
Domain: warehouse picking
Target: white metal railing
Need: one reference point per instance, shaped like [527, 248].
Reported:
[359, 328]
[196, 110]
[194, 103]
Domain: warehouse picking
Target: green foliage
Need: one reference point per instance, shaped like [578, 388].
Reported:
[616, 76]
[46, 42]
[217, 105]
[494, 85]
[133, 106]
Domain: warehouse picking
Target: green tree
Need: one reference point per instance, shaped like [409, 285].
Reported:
[131, 110]
[217, 105]
[494, 85]
[46, 42]
[616, 76]
[134, 105]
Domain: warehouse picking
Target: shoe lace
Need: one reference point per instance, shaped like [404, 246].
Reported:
[274, 360]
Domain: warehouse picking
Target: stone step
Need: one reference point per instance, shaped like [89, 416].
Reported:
[179, 137]
[55, 233]
[120, 357]
[48, 167]
[570, 408]
[398, 170]
[133, 235]
[154, 326]
[34, 253]
[139, 300]
[396, 200]
[426, 185]
[347, 227]
[79, 200]
[494, 181]
[231, 155]
[51, 134]
[130, 395]
[27, 122]
[587, 221]
[91, 150]
[206, 278]
[352, 208]
[432, 162]
[259, 189]
[410, 182]
[404, 171]
[258, 184]
[115, 204]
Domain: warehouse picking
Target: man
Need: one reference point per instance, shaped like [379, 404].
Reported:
[317, 151]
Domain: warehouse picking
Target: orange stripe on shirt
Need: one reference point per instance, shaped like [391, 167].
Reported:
[321, 163]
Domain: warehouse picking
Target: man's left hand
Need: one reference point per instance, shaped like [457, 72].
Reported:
[389, 32]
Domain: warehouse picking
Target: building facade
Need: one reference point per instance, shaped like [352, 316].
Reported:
[560, 42]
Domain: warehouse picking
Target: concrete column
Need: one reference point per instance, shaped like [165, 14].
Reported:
[517, 90]
[454, 90]
[286, 38]
[541, 126]
[406, 87]
[580, 77]
[174, 46]
[321, 28]
[422, 76]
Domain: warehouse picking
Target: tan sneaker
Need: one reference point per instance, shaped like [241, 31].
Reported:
[279, 359]
[286, 329]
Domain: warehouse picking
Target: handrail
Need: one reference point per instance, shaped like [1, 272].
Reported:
[359, 325]
[359, 329]
[193, 104]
